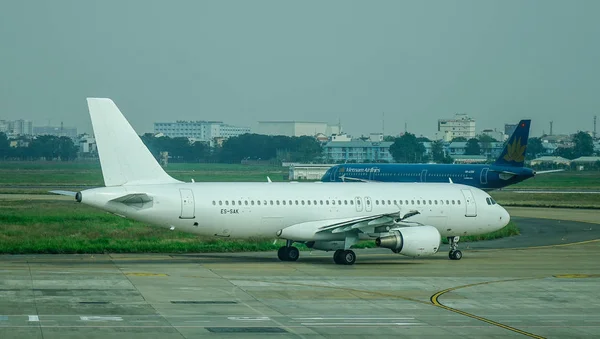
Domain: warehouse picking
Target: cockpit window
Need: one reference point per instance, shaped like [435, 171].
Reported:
[488, 200]
[493, 201]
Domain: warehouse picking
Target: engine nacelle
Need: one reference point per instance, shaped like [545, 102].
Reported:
[412, 241]
[326, 245]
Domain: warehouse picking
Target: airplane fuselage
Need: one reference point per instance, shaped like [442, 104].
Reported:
[249, 210]
[486, 177]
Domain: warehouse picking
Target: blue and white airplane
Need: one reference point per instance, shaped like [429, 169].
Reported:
[506, 170]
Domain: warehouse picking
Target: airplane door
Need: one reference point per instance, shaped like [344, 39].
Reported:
[424, 175]
[484, 173]
[358, 204]
[188, 206]
[368, 205]
[470, 205]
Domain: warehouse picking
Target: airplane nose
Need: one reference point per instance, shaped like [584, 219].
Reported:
[504, 217]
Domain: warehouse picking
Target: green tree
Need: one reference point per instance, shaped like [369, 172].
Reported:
[4, 146]
[534, 148]
[459, 139]
[584, 145]
[472, 147]
[438, 154]
[407, 149]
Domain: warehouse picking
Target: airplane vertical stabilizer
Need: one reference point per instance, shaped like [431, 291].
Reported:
[516, 147]
[123, 156]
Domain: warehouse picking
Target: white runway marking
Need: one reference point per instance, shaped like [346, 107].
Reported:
[359, 324]
[34, 318]
[96, 318]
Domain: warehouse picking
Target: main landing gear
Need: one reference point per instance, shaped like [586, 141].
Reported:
[454, 253]
[288, 252]
[344, 257]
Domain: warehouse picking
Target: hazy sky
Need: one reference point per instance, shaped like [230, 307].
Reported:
[244, 61]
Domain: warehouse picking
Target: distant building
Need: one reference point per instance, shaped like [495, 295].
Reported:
[509, 129]
[61, 131]
[307, 171]
[199, 130]
[357, 151]
[16, 127]
[297, 128]
[461, 126]
[498, 135]
[87, 144]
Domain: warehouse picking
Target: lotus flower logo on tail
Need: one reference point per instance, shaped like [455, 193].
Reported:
[515, 151]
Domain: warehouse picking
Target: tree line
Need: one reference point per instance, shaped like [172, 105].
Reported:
[235, 149]
[47, 147]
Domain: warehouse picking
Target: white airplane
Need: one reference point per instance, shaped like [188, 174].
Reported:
[408, 218]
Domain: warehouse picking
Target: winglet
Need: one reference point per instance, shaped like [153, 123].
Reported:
[450, 179]
[268, 179]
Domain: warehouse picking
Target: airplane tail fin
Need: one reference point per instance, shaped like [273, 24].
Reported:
[514, 150]
[124, 158]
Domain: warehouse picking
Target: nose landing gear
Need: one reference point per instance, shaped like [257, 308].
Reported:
[455, 253]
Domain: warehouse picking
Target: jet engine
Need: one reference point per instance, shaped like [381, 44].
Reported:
[412, 241]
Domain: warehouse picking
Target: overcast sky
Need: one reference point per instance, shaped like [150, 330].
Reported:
[244, 61]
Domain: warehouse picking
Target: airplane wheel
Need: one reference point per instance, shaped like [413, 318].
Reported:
[293, 254]
[347, 257]
[281, 253]
[455, 255]
[337, 257]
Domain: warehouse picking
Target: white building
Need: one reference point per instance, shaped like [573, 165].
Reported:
[59, 131]
[16, 127]
[87, 144]
[498, 135]
[307, 171]
[461, 126]
[296, 128]
[199, 130]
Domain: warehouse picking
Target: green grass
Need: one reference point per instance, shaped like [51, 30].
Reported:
[67, 227]
[562, 200]
[588, 180]
[54, 174]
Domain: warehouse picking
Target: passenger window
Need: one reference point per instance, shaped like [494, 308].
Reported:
[333, 202]
[308, 202]
[252, 202]
[345, 202]
[400, 201]
[424, 202]
[326, 202]
[277, 202]
[296, 201]
[452, 202]
[339, 202]
[389, 202]
[352, 202]
[314, 202]
[246, 202]
[220, 202]
[447, 202]
[418, 202]
[383, 202]
[412, 202]
[430, 202]
[233, 202]
[258, 202]
[270, 202]
[302, 202]
[290, 202]
[406, 202]
[458, 202]
[435, 202]
[320, 202]
[214, 202]
[376, 202]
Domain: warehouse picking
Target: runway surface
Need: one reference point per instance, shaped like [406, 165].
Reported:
[501, 288]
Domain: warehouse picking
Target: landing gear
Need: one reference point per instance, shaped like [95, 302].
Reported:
[288, 252]
[454, 253]
[344, 257]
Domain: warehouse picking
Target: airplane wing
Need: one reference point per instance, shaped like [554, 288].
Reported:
[311, 230]
[550, 171]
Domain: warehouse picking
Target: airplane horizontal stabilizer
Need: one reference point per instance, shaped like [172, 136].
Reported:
[549, 171]
[67, 193]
